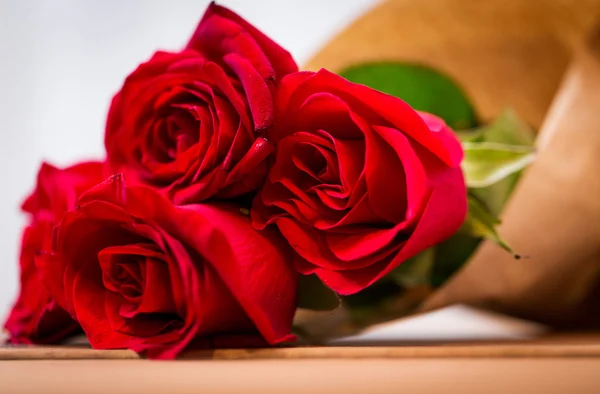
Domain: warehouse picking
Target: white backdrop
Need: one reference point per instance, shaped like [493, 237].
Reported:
[61, 61]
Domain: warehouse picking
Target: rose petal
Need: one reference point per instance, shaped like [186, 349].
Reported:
[258, 94]
[253, 265]
[310, 245]
[443, 215]
[390, 110]
[221, 31]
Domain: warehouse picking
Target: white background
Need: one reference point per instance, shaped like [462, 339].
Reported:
[61, 61]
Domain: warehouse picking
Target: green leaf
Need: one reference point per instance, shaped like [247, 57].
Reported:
[481, 223]
[313, 294]
[497, 194]
[486, 163]
[508, 129]
[451, 255]
[474, 135]
[424, 88]
[415, 271]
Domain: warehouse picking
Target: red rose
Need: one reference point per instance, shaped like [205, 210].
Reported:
[191, 123]
[361, 181]
[35, 317]
[140, 273]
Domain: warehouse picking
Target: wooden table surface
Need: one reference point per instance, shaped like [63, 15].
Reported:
[555, 364]
[548, 376]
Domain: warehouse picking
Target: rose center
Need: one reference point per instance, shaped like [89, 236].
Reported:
[137, 274]
[173, 133]
[319, 162]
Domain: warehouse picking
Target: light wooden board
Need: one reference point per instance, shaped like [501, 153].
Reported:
[571, 346]
[480, 376]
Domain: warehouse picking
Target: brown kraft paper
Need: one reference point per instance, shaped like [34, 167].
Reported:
[553, 218]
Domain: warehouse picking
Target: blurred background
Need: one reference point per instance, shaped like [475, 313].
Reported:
[62, 60]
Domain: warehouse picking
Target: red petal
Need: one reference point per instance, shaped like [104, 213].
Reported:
[257, 92]
[222, 31]
[379, 108]
[443, 215]
[254, 266]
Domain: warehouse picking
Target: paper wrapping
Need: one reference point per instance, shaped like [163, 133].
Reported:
[526, 55]
[553, 218]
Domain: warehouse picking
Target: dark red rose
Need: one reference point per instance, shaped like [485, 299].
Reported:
[361, 181]
[35, 316]
[191, 123]
[140, 273]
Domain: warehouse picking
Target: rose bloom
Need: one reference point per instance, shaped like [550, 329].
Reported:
[192, 123]
[140, 273]
[361, 181]
[35, 316]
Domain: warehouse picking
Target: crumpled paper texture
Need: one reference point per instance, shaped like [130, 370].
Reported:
[553, 218]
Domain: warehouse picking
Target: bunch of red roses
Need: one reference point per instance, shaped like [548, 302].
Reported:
[228, 174]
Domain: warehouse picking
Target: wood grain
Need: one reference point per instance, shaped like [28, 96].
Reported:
[62, 353]
[402, 352]
[571, 346]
